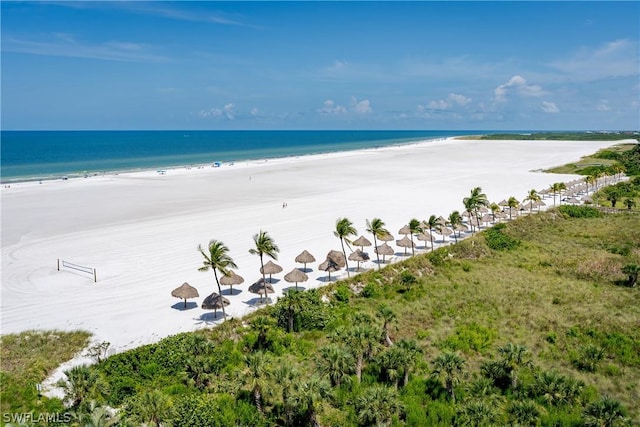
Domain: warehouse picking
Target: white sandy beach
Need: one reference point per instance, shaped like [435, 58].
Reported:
[140, 230]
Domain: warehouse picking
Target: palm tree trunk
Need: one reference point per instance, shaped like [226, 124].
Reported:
[359, 361]
[257, 397]
[224, 313]
[346, 262]
[375, 245]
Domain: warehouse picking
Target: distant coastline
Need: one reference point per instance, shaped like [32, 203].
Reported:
[51, 155]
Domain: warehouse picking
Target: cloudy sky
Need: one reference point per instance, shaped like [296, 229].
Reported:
[429, 65]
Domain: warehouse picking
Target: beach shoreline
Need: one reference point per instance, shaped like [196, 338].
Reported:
[140, 230]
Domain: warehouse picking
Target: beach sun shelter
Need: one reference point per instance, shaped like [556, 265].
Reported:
[362, 242]
[359, 257]
[261, 288]
[295, 276]
[384, 250]
[215, 302]
[231, 279]
[329, 265]
[185, 292]
[271, 268]
[337, 257]
[305, 258]
[405, 243]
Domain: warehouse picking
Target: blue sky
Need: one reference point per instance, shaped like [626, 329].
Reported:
[321, 65]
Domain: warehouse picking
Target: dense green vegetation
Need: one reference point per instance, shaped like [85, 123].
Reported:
[533, 323]
[611, 161]
[564, 136]
[27, 359]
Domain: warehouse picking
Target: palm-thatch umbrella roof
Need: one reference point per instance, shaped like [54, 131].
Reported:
[487, 217]
[329, 265]
[384, 250]
[405, 243]
[362, 242]
[270, 268]
[231, 279]
[404, 230]
[261, 288]
[305, 258]
[295, 276]
[442, 220]
[337, 257]
[359, 257]
[387, 237]
[503, 203]
[185, 292]
[444, 231]
[425, 237]
[214, 302]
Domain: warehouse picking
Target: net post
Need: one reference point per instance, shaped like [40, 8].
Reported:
[95, 278]
[58, 264]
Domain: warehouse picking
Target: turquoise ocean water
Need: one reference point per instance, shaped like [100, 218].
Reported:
[37, 155]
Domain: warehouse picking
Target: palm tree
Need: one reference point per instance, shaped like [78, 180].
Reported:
[256, 377]
[264, 246]
[83, 384]
[605, 412]
[387, 317]
[432, 224]
[411, 353]
[336, 362]
[344, 229]
[515, 356]
[217, 259]
[475, 201]
[286, 376]
[309, 395]
[532, 197]
[152, 407]
[476, 413]
[495, 208]
[361, 339]
[524, 412]
[512, 203]
[414, 228]
[448, 365]
[376, 227]
[455, 219]
[377, 406]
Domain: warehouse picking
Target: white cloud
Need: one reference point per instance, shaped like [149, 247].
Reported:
[603, 105]
[329, 107]
[452, 100]
[517, 85]
[361, 107]
[550, 107]
[228, 112]
[618, 58]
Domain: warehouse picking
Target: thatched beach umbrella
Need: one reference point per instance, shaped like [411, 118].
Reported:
[214, 302]
[270, 268]
[404, 230]
[425, 237]
[444, 232]
[362, 242]
[442, 221]
[405, 243]
[329, 265]
[305, 258]
[384, 250]
[231, 279]
[338, 258]
[261, 288]
[185, 292]
[359, 256]
[295, 276]
[503, 203]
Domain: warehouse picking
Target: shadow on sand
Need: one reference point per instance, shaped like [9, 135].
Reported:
[257, 302]
[180, 306]
[209, 318]
[233, 291]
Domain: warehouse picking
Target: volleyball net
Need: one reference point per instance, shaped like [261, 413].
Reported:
[66, 265]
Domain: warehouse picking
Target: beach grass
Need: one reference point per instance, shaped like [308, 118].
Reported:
[28, 358]
[601, 158]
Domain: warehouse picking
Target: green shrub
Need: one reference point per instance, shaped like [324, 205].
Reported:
[579, 211]
[343, 293]
[498, 240]
[588, 358]
[371, 290]
[471, 337]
